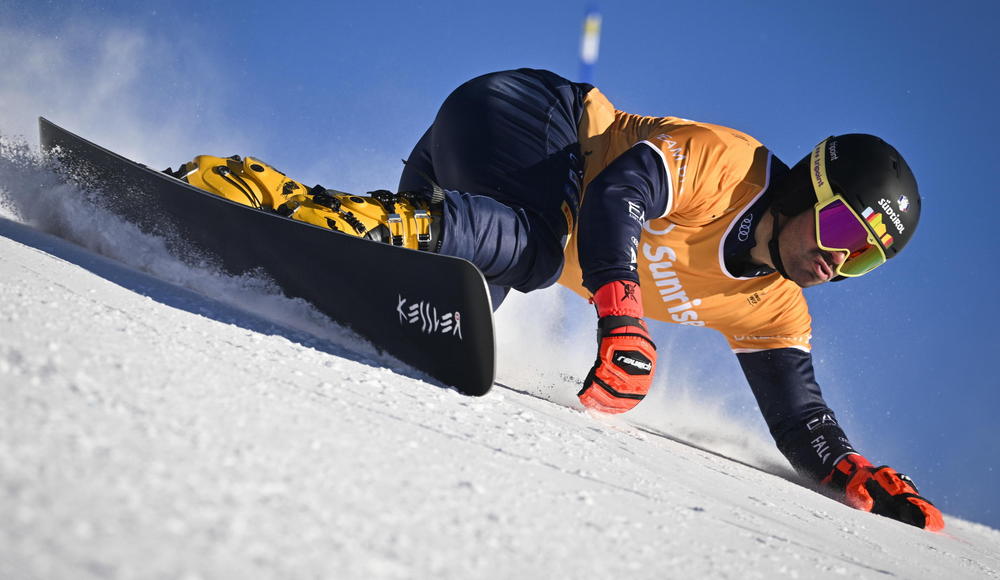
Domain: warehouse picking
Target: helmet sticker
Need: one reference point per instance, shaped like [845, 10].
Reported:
[874, 220]
[891, 214]
[903, 203]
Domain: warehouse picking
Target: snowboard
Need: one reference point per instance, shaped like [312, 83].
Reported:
[430, 311]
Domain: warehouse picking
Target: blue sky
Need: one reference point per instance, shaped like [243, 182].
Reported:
[337, 93]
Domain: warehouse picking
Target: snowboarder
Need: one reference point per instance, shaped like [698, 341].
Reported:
[679, 221]
[537, 179]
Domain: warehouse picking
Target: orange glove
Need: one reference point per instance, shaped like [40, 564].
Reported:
[626, 357]
[882, 491]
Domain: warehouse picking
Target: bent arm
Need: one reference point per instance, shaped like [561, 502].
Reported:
[611, 216]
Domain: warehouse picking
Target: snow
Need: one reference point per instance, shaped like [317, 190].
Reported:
[162, 421]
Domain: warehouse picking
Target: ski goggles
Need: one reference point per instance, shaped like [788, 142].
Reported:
[838, 227]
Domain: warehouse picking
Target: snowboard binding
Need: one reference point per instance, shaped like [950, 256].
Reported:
[409, 220]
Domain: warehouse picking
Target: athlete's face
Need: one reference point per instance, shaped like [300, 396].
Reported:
[806, 264]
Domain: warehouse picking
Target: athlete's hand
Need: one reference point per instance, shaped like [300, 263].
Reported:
[883, 491]
[626, 357]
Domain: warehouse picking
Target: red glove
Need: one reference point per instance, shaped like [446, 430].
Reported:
[882, 491]
[626, 357]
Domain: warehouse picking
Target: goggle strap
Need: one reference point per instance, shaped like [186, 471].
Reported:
[817, 172]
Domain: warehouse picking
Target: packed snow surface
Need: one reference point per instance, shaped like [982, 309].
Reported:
[160, 422]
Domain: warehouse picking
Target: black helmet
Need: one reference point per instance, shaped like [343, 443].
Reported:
[869, 173]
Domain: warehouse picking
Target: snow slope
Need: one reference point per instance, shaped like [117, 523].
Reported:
[150, 428]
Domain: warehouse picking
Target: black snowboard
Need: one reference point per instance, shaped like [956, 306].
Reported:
[428, 310]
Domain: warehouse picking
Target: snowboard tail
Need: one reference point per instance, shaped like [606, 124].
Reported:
[430, 311]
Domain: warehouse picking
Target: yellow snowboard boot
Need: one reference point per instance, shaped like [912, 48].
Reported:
[409, 220]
